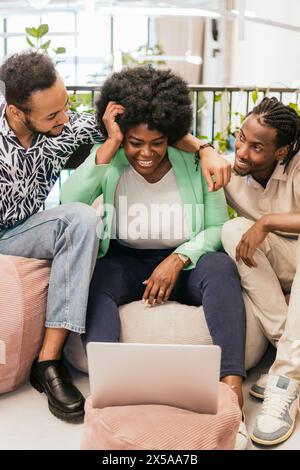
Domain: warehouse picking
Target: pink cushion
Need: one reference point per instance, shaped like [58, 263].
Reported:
[160, 427]
[23, 295]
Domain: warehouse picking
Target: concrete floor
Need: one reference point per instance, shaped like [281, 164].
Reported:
[26, 423]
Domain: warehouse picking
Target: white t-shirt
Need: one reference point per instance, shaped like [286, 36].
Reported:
[149, 215]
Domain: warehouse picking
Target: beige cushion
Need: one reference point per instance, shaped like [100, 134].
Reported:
[170, 323]
[23, 295]
[160, 427]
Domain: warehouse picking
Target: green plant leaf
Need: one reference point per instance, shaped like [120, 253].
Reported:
[254, 96]
[218, 136]
[231, 212]
[33, 32]
[60, 50]
[42, 30]
[203, 137]
[46, 45]
[29, 42]
[223, 145]
[295, 107]
[218, 97]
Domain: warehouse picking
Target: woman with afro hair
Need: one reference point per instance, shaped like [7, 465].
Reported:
[162, 227]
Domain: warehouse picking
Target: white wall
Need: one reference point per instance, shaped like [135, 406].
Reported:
[215, 70]
[268, 55]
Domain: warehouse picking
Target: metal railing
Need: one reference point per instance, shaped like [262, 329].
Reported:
[217, 112]
[216, 109]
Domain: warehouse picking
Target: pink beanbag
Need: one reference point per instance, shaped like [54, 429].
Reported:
[160, 427]
[23, 294]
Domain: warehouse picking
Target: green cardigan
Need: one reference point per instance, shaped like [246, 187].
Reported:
[207, 210]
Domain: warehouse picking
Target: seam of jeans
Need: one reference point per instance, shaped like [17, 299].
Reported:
[233, 371]
[61, 219]
[66, 326]
[67, 272]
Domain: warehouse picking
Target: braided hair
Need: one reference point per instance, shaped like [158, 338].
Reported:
[285, 120]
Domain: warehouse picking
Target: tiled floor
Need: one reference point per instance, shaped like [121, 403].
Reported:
[26, 423]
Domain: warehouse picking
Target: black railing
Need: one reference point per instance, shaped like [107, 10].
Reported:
[208, 102]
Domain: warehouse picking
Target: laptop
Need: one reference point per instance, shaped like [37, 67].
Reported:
[183, 376]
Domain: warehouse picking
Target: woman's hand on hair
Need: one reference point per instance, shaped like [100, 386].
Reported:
[114, 132]
[162, 281]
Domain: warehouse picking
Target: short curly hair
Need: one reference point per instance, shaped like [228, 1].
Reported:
[25, 73]
[157, 98]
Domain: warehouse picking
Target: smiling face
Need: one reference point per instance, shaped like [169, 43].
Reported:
[146, 151]
[48, 110]
[256, 153]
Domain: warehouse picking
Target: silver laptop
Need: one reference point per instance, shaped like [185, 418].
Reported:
[184, 376]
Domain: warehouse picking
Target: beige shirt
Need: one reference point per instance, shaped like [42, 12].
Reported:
[282, 193]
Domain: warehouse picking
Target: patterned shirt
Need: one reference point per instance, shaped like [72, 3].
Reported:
[27, 176]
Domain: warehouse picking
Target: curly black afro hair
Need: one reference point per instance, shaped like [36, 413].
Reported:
[157, 98]
[23, 74]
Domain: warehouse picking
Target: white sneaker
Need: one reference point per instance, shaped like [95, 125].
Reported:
[242, 437]
[258, 389]
[276, 422]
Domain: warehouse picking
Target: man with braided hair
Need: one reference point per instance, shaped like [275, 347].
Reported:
[265, 192]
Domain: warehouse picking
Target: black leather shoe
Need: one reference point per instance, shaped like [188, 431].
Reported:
[64, 400]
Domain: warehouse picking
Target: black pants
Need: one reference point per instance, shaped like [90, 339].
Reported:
[213, 283]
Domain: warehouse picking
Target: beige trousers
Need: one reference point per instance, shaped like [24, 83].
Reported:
[277, 272]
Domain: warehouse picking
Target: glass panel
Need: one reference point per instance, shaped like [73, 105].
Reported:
[16, 44]
[1, 39]
[93, 35]
[67, 71]
[64, 41]
[93, 56]
[130, 32]
[17, 24]
[92, 73]
[60, 22]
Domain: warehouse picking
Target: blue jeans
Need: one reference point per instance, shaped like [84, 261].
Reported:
[66, 235]
[213, 283]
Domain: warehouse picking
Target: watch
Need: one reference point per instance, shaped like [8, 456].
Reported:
[204, 146]
[185, 259]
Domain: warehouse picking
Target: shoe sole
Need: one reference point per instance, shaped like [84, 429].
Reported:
[74, 418]
[276, 441]
[256, 394]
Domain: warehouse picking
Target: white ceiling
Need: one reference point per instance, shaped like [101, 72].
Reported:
[215, 8]
[214, 5]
